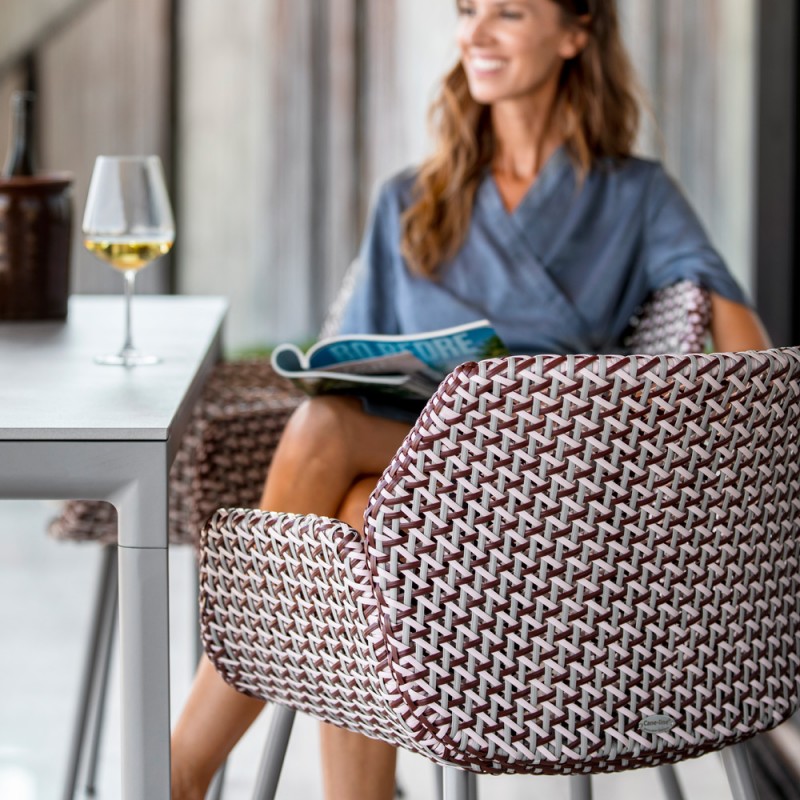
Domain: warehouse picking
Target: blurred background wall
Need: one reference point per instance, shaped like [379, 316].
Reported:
[101, 72]
[276, 119]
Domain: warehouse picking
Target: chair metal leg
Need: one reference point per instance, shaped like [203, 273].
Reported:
[108, 571]
[456, 784]
[438, 777]
[736, 761]
[669, 781]
[580, 787]
[101, 690]
[269, 772]
[217, 784]
[472, 787]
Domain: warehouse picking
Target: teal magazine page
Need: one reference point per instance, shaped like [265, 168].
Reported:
[406, 366]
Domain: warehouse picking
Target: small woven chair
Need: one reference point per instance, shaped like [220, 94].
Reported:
[225, 453]
[574, 564]
[273, 633]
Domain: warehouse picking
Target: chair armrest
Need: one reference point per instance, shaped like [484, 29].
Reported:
[288, 614]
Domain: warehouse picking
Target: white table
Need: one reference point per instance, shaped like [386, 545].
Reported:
[72, 429]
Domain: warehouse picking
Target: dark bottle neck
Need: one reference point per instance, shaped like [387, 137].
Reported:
[20, 160]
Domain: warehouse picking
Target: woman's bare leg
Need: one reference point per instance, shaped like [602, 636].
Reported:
[212, 721]
[328, 443]
[355, 767]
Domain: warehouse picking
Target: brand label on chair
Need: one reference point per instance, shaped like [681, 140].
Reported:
[658, 723]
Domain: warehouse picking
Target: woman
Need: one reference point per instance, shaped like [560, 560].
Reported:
[531, 213]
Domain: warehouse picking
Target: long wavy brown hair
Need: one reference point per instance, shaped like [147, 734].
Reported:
[596, 111]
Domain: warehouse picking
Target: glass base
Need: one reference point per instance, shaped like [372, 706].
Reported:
[129, 358]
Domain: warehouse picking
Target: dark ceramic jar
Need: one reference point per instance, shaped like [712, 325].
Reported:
[35, 239]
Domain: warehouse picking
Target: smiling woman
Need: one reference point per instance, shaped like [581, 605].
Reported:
[538, 71]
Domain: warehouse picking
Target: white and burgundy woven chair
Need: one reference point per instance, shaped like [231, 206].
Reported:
[574, 564]
[225, 453]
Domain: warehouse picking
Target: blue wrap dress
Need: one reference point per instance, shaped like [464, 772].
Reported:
[563, 273]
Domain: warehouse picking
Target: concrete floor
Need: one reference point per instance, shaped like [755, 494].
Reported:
[46, 593]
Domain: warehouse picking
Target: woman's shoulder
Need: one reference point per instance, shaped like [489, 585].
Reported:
[644, 180]
[634, 169]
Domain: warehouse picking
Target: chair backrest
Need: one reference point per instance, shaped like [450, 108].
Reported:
[674, 319]
[592, 562]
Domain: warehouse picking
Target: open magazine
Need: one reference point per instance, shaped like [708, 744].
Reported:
[403, 366]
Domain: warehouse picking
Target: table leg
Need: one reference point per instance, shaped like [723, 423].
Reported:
[144, 651]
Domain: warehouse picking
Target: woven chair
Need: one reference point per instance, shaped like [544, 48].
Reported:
[225, 453]
[574, 564]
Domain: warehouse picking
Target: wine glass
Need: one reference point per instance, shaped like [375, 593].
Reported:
[128, 223]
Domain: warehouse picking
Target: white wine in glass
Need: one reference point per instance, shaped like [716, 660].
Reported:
[128, 223]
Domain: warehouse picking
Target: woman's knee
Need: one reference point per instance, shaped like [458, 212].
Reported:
[320, 426]
[335, 432]
[355, 502]
[326, 414]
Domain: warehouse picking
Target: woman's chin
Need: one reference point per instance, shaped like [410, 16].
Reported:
[485, 95]
[488, 92]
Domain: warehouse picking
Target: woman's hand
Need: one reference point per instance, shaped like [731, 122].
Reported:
[735, 327]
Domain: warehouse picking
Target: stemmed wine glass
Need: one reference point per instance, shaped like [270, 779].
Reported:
[128, 223]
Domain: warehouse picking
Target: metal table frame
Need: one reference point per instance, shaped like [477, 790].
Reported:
[124, 459]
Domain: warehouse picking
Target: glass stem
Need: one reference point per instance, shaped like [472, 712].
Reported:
[130, 277]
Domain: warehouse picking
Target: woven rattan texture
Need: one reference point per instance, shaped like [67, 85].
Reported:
[223, 458]
[281, 623]
[563, 550]
[566, 549]
[675, 319]
[288, 613]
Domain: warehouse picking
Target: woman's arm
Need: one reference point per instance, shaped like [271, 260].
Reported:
[735, 327]
[676, 247]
